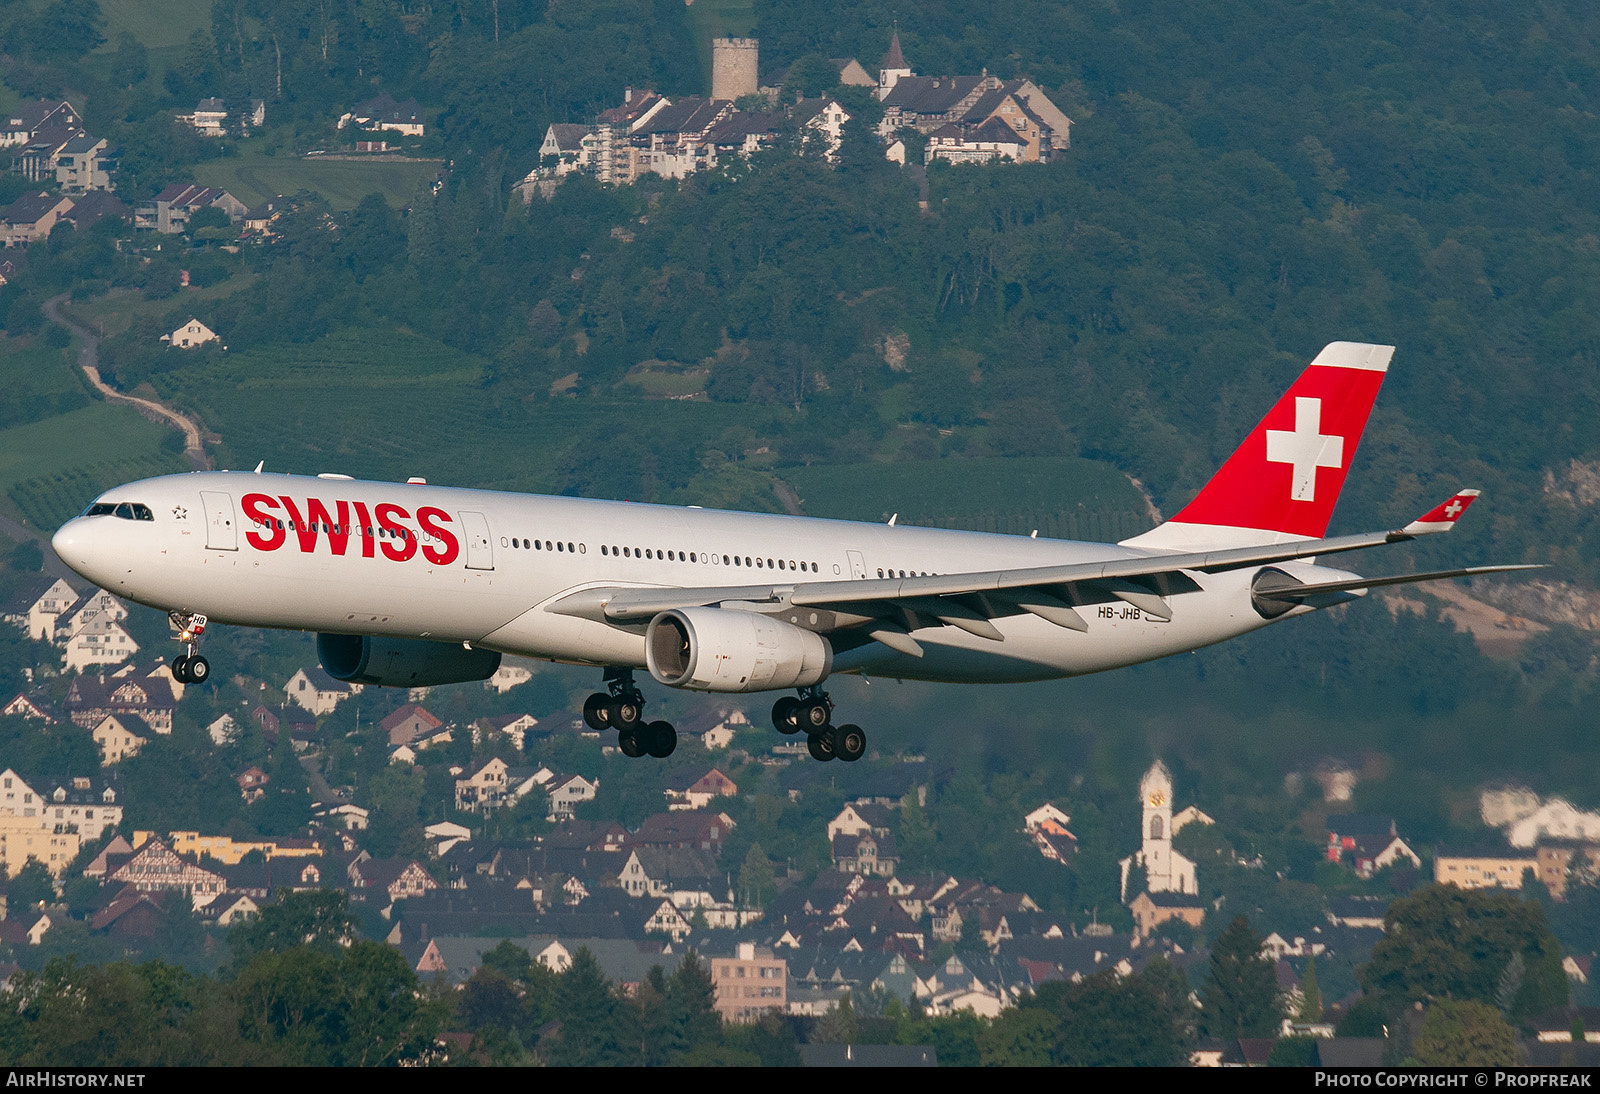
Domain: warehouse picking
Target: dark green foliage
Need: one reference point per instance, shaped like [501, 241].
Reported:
[1465, 1033]
[1448, 943]
[1239, 996]
[1295, 1052]
[1104, 1020]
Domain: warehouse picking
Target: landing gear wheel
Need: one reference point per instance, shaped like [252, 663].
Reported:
[820, 746]
[624, 714]
[659, 739]
[813, 714]
[628, 740]
[786, 715]
[594, 711]
[198, 670]
[180, 668]
[849, 742]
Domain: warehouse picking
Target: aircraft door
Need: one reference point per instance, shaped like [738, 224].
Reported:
[858, 565]
[480, 551]
[222, 534]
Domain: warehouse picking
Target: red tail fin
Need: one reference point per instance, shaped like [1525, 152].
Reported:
[1283, 481]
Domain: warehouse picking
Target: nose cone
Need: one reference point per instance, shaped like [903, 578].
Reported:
[74, 544]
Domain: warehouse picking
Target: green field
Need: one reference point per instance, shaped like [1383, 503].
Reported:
[1064, 497]
[51, 469]
[112, 313]
[156, 23]
[341, 183]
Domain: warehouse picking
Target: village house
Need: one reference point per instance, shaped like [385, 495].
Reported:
[119, 736]
[18, 127]
[1047, 826]
[46, 827]
[314, 691]
[39, 158]
[38, 606]
[383, 112]
[1150, 910]
[495, 784]
[84, 163]
[513, 727]
[31, 217]
[867, 853]
[395, 878]
[91, 698]
[31, 705]
[566, 793]
[688, 790]
[95, 206]
[83, 804]
[210, 118]
[154, 867]
[1369, 842]
[169, 211]
[258, 221]
[408, 723]
[191, 335]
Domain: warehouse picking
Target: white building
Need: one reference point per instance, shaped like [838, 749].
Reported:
[1166, 871]
[192, 334]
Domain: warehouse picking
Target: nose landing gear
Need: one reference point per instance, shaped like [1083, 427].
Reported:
[621, 707]
[812, 711]
[189, 667]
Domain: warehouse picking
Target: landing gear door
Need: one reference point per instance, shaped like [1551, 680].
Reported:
[858, 565]
[480, 552]
[222, 532]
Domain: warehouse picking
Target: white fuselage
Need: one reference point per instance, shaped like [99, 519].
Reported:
[409, 560]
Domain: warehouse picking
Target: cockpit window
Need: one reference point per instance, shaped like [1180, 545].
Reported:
[127, 510]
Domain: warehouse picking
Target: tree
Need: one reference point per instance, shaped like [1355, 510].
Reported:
[1465, 1033]
[756, 879]
[31, 887]
[318, 918]
[1488, 945]
[1311, 995]
[1240, 995]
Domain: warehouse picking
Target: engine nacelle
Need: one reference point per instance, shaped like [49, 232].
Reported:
[712, 649]
[402, 662]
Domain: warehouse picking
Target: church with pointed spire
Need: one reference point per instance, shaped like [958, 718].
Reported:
[1165, 870]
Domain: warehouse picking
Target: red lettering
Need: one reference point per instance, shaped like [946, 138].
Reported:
[338, 528]
[257, 507]
[432, 521]
[368, 533]
[387, 519]
[302, 530]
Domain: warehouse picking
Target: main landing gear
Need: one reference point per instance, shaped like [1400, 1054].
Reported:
[621, 707]
[189, 667]
[812, 711]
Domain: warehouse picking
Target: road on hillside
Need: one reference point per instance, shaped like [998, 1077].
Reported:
[89, 360]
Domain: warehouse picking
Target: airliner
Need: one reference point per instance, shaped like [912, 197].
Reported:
[411, 584]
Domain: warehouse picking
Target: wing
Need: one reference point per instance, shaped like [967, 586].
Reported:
[889, 609]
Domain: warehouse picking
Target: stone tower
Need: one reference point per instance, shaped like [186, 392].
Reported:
[734, 63]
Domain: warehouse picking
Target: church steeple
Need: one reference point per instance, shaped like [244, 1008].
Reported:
[894, 66]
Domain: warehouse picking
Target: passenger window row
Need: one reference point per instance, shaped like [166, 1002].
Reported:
[714, 559]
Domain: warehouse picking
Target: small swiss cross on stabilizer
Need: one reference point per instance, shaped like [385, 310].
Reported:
[1441, 518]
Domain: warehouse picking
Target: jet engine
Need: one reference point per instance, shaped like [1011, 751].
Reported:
[402, 662]
[712, 649]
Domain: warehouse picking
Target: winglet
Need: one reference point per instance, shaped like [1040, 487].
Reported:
[1441, 518]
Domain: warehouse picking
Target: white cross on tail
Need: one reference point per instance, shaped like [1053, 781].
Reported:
[1306, 448]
